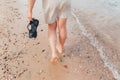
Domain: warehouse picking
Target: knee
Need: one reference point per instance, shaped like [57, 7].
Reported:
[62, 26]
[52, 26]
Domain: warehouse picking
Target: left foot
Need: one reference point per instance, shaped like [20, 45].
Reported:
[54, 59]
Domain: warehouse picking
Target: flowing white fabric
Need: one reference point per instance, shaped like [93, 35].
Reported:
[54, 9]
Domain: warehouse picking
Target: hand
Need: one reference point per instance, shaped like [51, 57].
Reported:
[30, 16]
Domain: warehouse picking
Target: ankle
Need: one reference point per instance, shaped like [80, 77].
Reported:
[54, 55]
[59, 48]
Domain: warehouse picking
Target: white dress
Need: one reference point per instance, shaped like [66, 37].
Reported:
[55, 9]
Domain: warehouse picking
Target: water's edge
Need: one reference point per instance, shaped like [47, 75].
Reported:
[99, 47]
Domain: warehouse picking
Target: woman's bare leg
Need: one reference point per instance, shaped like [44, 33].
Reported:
[52, 36]
[62, 34]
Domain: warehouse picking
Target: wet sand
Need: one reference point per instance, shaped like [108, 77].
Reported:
[22, 58]
[102, 21]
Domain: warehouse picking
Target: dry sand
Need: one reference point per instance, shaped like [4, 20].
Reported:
[22, 58]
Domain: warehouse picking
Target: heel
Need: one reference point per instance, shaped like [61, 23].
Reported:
[54, 59]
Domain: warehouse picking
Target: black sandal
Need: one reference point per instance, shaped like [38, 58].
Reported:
[33, 31]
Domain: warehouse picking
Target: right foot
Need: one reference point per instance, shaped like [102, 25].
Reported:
[59, 49]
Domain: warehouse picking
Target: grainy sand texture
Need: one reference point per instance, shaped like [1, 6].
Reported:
[22, 58]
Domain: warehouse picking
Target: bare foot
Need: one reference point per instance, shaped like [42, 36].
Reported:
[59, 49]
[54, 59]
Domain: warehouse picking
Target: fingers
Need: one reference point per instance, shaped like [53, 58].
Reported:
[30, 18]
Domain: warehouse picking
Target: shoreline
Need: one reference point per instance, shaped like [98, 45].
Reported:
[110, 49]
[98, 42]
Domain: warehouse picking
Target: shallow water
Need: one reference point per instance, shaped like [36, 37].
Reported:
[108, 8]
[103, 16]
[106, 18]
